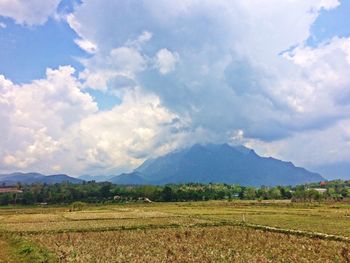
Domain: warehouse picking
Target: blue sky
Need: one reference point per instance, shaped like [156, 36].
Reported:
[26, 51]
[331, 23]
[96, 87]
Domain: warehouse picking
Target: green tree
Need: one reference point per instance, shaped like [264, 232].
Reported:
[167, 194]
[249, 193]
[275, 193]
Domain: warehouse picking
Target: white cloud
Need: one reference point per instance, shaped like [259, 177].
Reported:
[3, 25]
[127, 60]
[321, 88]
[231, 76]
[311, 148]
[51, 124]
[86, 45]
[140, 41]
[123, 62]
[74, 24]
[122, 137]
[36, 115]
[28, 12]
[228, 81]
[165, 61]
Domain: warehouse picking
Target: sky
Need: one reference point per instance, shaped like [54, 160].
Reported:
[96, 87]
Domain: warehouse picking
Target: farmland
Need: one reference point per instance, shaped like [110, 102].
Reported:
[212, 231]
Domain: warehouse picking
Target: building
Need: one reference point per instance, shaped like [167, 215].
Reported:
[4, 190]
[320, 190]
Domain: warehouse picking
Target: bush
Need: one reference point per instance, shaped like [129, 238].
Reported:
[78, 206]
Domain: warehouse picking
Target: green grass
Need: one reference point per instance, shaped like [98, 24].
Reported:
[14, 248]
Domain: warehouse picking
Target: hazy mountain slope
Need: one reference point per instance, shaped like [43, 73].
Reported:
[97, 178]
[223, 164]
[29, 178]
[131, 178]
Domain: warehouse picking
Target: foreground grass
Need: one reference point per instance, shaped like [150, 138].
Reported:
[6, 254]
[15, 249]
[215, 231]
[208, 244]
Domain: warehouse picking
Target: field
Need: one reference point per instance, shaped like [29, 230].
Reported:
[215, 231]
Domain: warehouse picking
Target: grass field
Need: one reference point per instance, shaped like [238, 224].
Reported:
[215, 231]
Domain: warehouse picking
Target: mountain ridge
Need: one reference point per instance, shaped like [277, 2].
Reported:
[30, 178]
[219, 163]
[200, 163]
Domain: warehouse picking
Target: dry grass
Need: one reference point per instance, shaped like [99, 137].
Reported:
[184, 232]
[209, 244]
[5, 252]
[32, 218]
[101, 215]
[100, 225]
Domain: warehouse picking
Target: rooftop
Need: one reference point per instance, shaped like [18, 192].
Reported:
[9, 190]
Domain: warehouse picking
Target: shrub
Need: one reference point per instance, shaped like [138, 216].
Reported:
[78, 206]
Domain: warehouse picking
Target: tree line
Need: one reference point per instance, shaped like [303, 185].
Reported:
[93, 192]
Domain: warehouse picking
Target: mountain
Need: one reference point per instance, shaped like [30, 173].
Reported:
[213, 163]
[131, 178]
[99, 178]
[30, 178]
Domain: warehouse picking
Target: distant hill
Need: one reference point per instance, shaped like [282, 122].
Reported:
[30, 178]
[214, 163]
[97, 178]
[131, 178]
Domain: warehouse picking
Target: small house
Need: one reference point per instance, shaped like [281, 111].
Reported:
[4, 190]
[320, 190]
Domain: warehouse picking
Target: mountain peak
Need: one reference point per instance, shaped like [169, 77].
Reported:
[221, 163]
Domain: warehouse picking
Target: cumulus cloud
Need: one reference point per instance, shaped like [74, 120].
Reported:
[36, 115]
[52, 125]
[105, 70]
[123, 137]
[165, 61]
[234, 73]
[319, 92]
[28, 12]
[183, 75]
[310, 148]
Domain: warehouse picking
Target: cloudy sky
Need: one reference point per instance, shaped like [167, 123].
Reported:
[96, 87]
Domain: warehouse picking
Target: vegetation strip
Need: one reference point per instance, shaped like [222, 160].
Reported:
[294, 232]
[105, 192]
[104, 229]
[67, 219]
[22, 250]
[281, 230]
